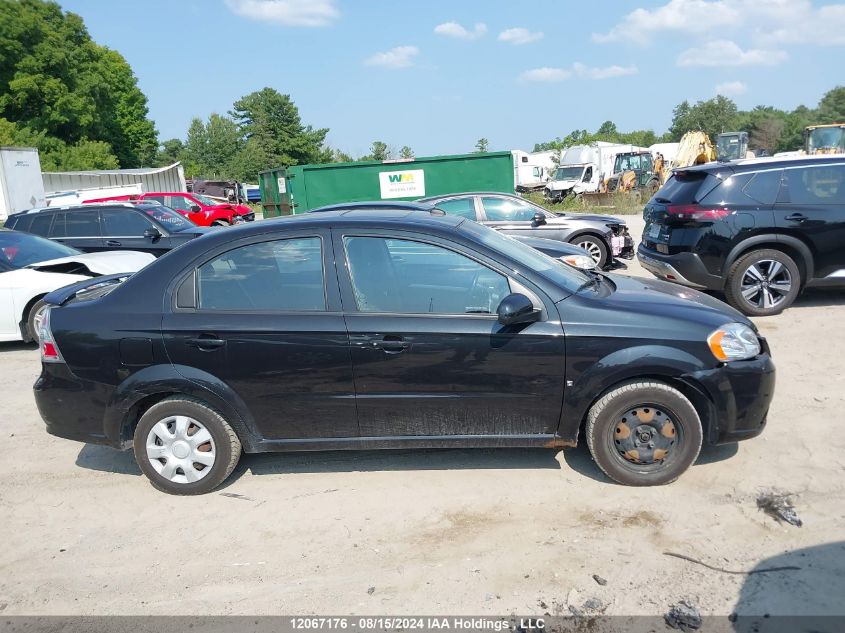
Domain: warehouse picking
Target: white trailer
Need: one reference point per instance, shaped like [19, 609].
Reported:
[583, 168]
[21, 187]
[531, 170]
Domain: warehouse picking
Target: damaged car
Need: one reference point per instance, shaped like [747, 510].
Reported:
[31, 267]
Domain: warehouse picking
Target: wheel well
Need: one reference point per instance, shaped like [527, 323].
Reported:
[137, 410]
[25, 315]
[787, 249]
[587, 233]
[701, 402]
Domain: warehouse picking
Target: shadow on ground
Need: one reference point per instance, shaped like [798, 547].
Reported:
[17, 346]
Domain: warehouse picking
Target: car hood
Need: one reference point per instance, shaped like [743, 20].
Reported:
[557, 185]
[105, 263]
[606, 219]
[661, 298]
[547, 246]
[240, 209]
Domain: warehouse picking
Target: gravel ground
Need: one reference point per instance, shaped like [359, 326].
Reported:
[437, 532]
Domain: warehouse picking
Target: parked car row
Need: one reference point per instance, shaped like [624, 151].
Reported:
[202, 210]
[757, 230]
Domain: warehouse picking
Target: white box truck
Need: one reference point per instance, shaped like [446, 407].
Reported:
[21, 186]
[582, 169]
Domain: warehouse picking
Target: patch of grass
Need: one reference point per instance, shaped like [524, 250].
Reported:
[618, 203]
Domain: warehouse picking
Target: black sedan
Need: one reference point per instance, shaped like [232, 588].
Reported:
[363, 329]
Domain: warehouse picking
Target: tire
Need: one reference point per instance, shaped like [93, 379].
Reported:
[774, 276]
[31, 318]
[222, 444]
[661, 412]
[595, 246]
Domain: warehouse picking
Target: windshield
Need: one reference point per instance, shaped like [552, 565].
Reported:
[728, 148]
[555, 271]
[168, 218]
[205, 200]
[22, 249]
[826, 138]
[569, 173]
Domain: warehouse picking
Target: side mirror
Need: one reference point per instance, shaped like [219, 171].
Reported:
[539, 219]
[194, 208]
[517, 308]
[152, 233]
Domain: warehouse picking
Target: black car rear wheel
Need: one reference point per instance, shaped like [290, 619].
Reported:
[595, 246]
[763, 283]
[185, 447]
[644, 433]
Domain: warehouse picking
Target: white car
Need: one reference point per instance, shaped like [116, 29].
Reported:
[31, 266]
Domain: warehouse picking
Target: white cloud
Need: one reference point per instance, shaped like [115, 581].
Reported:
[685, 16]
[731, 88]
[606, 72]
[287, 12]
[519, 35]
[545, 74]
[399, 57]
[726, 53]
[453, 29]
[766, 22]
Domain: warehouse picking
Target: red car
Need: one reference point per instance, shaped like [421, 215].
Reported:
[202, 210]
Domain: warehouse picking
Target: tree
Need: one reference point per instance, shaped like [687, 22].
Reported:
[712, 116]
[171, 151]
[792, 136]
[406, 152]
[270, 120]
[608, 128]
[832, 106]
[378, 151]
[481, 145]
[59, 87]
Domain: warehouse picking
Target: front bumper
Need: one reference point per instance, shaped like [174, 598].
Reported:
[740, 393]
[622, 245]
[686, 269]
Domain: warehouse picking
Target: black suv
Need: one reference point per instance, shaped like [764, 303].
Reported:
[148, 227]
[758, 230]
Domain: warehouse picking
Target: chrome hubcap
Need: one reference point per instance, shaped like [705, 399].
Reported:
[592, 248]
[180, 449]
[766, 283]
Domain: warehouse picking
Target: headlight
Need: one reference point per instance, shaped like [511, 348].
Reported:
[584, 262]
[734, 341]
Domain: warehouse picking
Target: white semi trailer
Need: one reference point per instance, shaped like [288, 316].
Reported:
[21, 186]
[583, 168]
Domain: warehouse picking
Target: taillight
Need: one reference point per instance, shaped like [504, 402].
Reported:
[696, 212]
[49, 350]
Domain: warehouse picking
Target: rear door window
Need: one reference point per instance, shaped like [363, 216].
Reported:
[77, 224]
[276, 276]
[813, 185]
[463, 207]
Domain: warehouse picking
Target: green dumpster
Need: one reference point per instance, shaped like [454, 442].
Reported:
[300, 188]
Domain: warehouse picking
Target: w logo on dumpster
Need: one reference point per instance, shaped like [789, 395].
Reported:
[409, 183]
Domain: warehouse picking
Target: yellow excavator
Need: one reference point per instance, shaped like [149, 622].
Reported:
[824, 139]
[695, 148]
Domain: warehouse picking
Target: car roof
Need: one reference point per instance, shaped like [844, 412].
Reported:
[90, 205]
[768, 162]
[462, 194]
[384, 205]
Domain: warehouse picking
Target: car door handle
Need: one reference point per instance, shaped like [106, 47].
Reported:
[205, 343]
[796, 217]
[113, 243]
[392, 345]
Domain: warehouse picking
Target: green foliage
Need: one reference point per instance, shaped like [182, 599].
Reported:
[406, 152]
[171, 151]
[62, 90]
[481, 145]
[832, 107]
[378, 151]
[607, 132]
[712, 116]
[271, 121]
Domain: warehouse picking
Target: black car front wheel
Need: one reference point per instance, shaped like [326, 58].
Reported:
[595, 246]
[763, 283]
[644, 433]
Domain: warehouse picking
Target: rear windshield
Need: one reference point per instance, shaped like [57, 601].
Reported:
[686, 187]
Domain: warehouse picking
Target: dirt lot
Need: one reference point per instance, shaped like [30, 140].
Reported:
[436, 532]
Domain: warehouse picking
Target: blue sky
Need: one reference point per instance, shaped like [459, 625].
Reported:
[438, 75]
